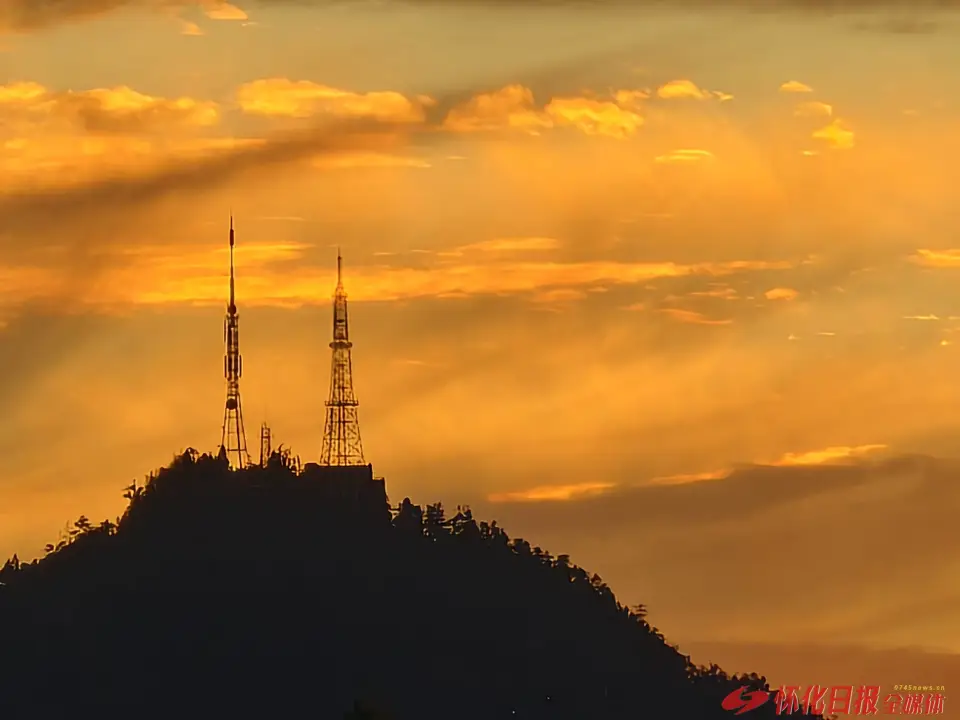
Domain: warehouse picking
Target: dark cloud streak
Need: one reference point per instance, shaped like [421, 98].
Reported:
[32, 15]
[853, 528]
[51, 215]
[19, 16]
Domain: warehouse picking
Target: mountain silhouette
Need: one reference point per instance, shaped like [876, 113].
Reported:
[281, 592]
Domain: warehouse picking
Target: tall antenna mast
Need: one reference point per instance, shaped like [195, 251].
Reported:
[341, 433]
[233, 441]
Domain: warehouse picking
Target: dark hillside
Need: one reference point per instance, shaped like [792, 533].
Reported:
[258, 594]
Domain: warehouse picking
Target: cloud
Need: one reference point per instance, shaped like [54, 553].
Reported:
[813, 109]
[827, 455]
[513, 108]
[694, 318]
[824, 456]
[920, 317]
[795, 86]
[884, 513]
[551, 493]
[370, 160]
[781, 294]
[281, 97]
[558, 296]
[684, 478]
[510, 107]
[220, 10]
[103, 110]
[54, 138]
[684, 156]
[33, 15]
[937, 258]
[725, 293]
[520, 244]
[593, 117]
[190, 28]
[44, 212]
[631, 98]
[25, 15]
[839, 137]
[188, 274]
[682, 89]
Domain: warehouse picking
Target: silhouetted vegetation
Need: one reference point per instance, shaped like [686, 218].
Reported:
[224, 594]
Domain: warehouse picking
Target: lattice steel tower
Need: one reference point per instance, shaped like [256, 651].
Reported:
[341, 433]
[233, 440]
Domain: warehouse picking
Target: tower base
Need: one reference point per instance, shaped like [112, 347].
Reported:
[348, 484]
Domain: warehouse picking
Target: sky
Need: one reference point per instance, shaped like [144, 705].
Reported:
[670, 287]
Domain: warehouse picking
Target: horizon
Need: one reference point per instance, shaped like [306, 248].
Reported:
[619, 276]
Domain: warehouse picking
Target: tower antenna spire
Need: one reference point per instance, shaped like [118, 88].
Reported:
[341, 433]
[232, 295]
[233, 441]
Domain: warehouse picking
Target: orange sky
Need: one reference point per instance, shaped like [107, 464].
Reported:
[668, 290]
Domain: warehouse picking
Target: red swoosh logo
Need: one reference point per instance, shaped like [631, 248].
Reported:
[744, 702]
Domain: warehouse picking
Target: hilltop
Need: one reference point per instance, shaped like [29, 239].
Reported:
[257, 593]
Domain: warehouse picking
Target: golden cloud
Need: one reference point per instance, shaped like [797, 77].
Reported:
[839, 137]
[50, 138]
[684, 156]
[558, 296]
[513, 107]
[813, 109]
[826, 456]
[724, 293]
[190, 274]
[219, 10]
[937, 258]
[794, 86]
[510, 107]
[694, 318]
[781, 294]
[630, 99]
[552, 492]
[685, 478]
[281, 97]
[190, 28]
[521, 244]
[593, 117]
[115, 110]
[686, 89]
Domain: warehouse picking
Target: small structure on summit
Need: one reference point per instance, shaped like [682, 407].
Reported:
[342, 465]
[266, 444]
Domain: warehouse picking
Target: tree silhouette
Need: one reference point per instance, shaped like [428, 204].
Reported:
[265, 592]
